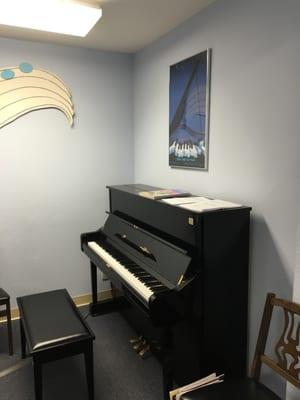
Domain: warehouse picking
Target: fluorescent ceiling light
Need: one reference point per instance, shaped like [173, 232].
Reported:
[70, 17]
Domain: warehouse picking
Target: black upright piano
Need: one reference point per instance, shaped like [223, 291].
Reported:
[179, 277]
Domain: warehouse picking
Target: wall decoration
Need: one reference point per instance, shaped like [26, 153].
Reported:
[24, 89]
[189, 112]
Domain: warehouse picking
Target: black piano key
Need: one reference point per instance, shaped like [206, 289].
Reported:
[155, 286]
[147, 279]
[135, 269]
[140, 275]
[159, 290]
[150, 286]
[150, 279]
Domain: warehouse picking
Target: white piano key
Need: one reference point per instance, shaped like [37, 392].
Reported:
[187, 151]
[172, 148]
[132, 280]
[194, 152]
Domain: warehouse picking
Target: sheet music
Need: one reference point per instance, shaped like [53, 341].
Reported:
[175, 201]
[205, 204]
[200, 383]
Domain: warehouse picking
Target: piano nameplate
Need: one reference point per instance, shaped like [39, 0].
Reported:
[145, 250]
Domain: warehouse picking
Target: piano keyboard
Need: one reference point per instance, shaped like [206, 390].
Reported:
[135, 276]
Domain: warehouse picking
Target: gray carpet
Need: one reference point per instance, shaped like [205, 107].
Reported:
[119, 373]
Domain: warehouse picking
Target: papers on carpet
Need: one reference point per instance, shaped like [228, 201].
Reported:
[208, 380]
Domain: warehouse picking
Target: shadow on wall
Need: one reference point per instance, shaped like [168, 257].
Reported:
[267, 274]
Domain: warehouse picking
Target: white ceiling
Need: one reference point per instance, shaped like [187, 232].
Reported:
[126, 26]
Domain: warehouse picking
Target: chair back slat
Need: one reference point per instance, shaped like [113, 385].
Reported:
[282, 372]
[287, 349]
[287, 346]
[287, 305]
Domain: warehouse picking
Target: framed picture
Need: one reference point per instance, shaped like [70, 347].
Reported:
[189, 112]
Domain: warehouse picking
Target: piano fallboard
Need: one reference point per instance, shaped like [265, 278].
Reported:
[146, 264]
[161, 258]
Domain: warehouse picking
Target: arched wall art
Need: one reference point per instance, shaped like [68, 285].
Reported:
[24, 89]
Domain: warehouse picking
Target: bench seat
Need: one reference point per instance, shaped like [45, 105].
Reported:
[53, 328]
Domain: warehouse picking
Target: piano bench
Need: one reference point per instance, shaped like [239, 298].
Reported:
[53, 328]
[5, 301]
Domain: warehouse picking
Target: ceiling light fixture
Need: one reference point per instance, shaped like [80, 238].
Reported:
[70, 17]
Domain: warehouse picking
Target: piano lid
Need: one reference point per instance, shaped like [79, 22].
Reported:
[167, 260]
[173, 223]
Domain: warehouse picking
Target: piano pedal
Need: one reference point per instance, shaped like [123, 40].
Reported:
[139, 346]
[156, 346]
[136, 340]
[145, 352]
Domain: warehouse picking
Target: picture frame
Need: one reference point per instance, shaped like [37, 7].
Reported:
[189, 94]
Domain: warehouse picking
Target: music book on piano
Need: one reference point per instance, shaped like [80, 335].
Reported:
[200, 204]
[200, 383]
[206, 204]
[164, 193]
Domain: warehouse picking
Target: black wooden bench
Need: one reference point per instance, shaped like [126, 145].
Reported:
[5, 301]
[53, 328]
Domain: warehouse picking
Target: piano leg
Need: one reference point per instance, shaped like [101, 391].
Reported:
[94, 289]
[104, 306]
[167, 374]
[167, 382]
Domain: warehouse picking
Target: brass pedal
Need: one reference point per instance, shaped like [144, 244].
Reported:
[145, 352]
[139, 346]
[136, 340]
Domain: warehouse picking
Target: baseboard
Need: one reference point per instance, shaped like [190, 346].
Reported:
[85, 299]
[80, 301]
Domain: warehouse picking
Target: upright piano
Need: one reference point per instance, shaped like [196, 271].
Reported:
[179, 277]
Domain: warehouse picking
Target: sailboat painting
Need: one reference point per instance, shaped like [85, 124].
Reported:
[189, 112]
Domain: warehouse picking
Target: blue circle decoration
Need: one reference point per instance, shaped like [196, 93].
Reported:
[26, 67]
[7, 74]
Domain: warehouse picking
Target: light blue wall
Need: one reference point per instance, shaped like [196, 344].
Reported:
[52, 176]
[254, 127]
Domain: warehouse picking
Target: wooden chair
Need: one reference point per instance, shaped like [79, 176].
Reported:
[287, 365]
[5, 301]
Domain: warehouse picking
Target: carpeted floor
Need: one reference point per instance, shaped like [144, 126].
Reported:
[119, 373]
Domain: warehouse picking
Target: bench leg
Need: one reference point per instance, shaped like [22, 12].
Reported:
[38, 379]
[9, 329]
[23, 340]
[89, 368]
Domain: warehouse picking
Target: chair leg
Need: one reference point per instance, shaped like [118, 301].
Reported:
[38, 379]
[89, 368]
[9, 329]
[23, 339]
[167, 381]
